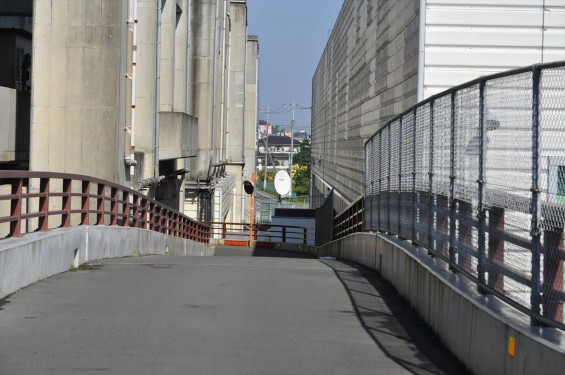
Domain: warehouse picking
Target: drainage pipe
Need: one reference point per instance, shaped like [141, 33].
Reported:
[421, 50]
[157, 88]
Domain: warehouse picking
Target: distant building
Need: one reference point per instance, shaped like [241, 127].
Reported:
[278, 149]
[265, 129]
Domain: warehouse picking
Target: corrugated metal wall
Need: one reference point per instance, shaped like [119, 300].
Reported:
[468, 39]
[367, 74]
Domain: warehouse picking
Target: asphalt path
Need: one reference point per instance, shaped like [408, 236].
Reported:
[246, 312]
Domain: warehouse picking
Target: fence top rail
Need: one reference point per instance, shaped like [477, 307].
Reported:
[508, 73]
[351, 205]
[15, 174]
[257, 225]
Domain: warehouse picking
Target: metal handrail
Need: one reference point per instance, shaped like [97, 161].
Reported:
[111, 204]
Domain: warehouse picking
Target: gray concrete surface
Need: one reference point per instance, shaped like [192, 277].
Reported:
[39, 255]
[216, 315]
[475, 327]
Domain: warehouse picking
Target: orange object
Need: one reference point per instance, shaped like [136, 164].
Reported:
[511, 346]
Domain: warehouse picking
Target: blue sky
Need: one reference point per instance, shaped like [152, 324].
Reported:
[292, 36]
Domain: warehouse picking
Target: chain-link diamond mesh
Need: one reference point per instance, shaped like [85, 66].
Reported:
[552, 185]
[477, 177]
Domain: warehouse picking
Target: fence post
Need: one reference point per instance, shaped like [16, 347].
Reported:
[430, 214]
[16, 208]
[481, 214]
[399, 204]
[451, 203]
[85, 206]
[114, 206]
[414, 193]
[100, 204]
[125, 208]
[67, 190]
[284, 234]
[536, 200]
[44, 204]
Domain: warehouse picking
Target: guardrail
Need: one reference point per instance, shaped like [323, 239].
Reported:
[238, 233]
[476, 175]
[39, 201]
[350, 220]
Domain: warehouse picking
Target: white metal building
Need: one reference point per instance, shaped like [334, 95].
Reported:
[383, 57]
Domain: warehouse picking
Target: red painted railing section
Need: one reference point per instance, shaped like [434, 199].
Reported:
[39, 201]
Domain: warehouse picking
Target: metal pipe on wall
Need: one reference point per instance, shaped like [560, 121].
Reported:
[157, 88]
[421, 50]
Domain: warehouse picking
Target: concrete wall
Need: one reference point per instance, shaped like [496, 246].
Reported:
[475, 327]
[77, 78]
[7, 124]
[36, 256]
[367, 74]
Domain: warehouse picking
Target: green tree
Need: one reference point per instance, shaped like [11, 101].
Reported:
[304, 156]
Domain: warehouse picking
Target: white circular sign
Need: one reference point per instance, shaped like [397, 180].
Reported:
[282, 183]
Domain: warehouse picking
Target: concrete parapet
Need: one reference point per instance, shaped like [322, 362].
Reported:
[37, 256]
[477, 328]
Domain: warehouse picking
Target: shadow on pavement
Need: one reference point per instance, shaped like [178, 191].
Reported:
[392, 323]
[223, 250]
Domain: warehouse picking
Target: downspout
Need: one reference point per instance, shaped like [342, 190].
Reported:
[243, 196]
[214, 82]
[224, 93]
[421, 50]
[133, 99]
[187, 63]
[157, 89]
[227, 93]
[244, 101]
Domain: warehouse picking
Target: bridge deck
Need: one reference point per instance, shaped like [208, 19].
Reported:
[216, 315]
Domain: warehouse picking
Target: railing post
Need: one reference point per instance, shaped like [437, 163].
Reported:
[399, 200]
[16, 208]
[496, 247]
[481, 214]
[536, 201]
[67, 192]
[430, 214]
[85, 203]
[304, 235]
[43, 222]
[388, 192]
[284, 234]
[414, 193]
[136, 211]
[100, 202]
[114, 206]
[451, 204]
[125, 208]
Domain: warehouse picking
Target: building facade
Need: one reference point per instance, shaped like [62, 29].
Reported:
[383, 57]
[139, 92]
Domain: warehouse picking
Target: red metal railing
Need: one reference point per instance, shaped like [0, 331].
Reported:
[238, 233]
[39, 201]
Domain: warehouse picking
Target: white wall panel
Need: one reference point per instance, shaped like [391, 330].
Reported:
[465, 40]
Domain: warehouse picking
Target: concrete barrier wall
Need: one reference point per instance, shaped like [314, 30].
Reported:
[37, 256]
[476, 327]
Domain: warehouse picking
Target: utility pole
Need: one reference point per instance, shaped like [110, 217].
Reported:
[291, 144]
[266, 148]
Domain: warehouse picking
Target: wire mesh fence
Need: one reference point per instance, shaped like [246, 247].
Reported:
[476, 175]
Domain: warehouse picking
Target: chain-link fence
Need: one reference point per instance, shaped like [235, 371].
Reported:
[476, 175]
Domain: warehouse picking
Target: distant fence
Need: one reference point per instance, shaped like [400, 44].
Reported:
[476, 175]
[39, 201]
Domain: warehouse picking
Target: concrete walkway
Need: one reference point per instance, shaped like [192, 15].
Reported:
[231, 314]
